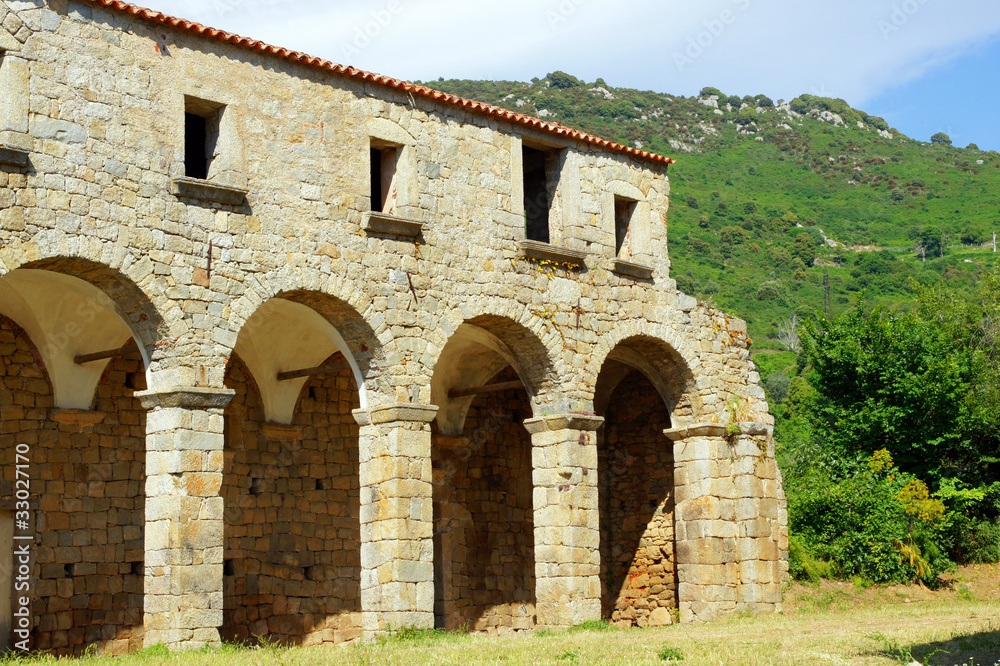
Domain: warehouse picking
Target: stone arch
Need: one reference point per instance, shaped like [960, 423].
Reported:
[295, 579]
[73, 305]
[126, 277]
[336, 316]
[87, 471]
[481, 457]
[645, 385]
[534, 345]
[659, 353]
[483, 345]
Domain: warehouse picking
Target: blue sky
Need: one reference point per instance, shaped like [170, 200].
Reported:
[924, 65]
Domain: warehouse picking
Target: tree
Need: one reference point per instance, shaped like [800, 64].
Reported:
[788, 333]
[804, 247]
[918, 384]
[563, 80]
[769, 291]
[941, 138]
[928, 241]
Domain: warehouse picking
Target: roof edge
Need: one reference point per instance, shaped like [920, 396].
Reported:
[489, 110]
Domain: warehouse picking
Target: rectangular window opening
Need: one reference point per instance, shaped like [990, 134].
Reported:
[624, 209]
[384, 160]
[201, 135]
[536, 194]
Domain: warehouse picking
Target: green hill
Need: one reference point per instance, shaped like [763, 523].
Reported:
[781, 209]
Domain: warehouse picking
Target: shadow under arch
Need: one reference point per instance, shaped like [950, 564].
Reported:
[298, 330]
[292, 557]
[662, 365]
[486, 383]
[87, 488]
[71, 307]
[481, 347]
[644, 387]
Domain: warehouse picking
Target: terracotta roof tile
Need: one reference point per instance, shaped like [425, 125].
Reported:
[420, 91]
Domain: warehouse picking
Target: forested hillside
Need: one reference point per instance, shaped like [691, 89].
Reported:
[772, 201]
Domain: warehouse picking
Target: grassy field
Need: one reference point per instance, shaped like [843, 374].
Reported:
[831, 623]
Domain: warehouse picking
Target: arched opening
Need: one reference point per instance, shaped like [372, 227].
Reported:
[292, 561]
[72, 436]
[484, 569]
[640, 391]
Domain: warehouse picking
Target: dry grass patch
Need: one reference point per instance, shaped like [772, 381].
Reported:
[831, 623]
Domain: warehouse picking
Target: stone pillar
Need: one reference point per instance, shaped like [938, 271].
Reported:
[567, 523]
[397, 517]
[184, 516]
[726, 520]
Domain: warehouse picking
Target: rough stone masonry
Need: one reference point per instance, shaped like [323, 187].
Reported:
[304, 353]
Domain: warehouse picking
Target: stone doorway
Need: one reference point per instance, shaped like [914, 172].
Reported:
[636, 497]
[292, 569]
[483, 516]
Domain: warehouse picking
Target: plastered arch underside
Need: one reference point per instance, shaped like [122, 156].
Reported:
[283, 336]
[66, 317]
[470, 358]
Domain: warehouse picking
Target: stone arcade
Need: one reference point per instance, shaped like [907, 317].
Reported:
[300, 351]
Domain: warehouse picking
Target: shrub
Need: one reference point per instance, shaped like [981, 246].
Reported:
[708, 91]
[563, 80]
[869, 520]
[769, 291]
[747, 116]
[777, 385]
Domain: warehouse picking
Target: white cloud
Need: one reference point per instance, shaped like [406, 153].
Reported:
[853, 48]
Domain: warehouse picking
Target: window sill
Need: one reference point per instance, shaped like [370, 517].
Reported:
[14, 156]
[382, 223]
[547, 252]
[204, 190]
[632, 269]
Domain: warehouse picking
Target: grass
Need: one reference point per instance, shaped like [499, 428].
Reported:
[826, 623]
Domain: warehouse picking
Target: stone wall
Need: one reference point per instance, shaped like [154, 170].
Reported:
[87, 474]
[484, 541]
[731, 520]
[636, 483]
[293, 552]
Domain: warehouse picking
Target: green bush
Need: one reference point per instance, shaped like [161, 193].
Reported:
[867, 520]
[769, 291]
[563, 80]
[777, 385]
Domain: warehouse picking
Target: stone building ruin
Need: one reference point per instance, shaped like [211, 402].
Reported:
[293, 350]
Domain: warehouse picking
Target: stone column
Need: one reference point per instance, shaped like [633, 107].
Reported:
[397, 517]
[184, 516]
[567, 523]
[726, 520]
